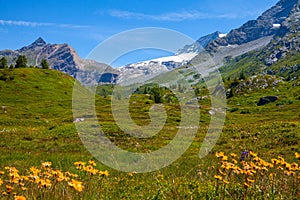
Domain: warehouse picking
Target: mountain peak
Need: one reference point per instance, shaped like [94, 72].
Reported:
[267, 24]
[39, 42]
[200, 44]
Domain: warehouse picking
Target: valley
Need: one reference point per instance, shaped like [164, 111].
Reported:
[43, 154]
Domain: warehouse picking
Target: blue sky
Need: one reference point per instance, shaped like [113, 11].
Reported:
[84, 24]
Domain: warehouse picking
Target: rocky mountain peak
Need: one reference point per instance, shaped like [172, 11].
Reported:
[267, 24]
[39, 42]
[292, 22]
[279, 12]
[64, 58]
[200, 44]
[287, 38]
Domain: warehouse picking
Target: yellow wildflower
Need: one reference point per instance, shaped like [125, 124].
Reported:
[272, 174]
[233, 155]
[90, 169]
[77, 185]
[265, 169]
[225, 182]
[71, 174]
[220, 154]
[26, 178]
[47, 174]
[275, 161]
[253, 154]
[238, 171]
[289, 173]
[20, 198]
[34, 170]
[246, 184]
[250, 180]
[281, 159]
[225, 158]
[104, 173]
[46, 164]
[294, 166]
[46, 183]
[297, 155]
[288, 166]
[91, 162]
[218, 177]
[223, 173]
[79, 164]
[9, 188]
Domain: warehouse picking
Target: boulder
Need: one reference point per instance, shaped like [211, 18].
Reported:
[267, 99]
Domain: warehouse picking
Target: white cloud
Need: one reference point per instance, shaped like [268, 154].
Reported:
[177, 16]
[38, 24]
[173, 16]
[23, 23]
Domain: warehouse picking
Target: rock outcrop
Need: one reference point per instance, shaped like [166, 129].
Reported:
[287, 39]
[266, 100]
[266, 25]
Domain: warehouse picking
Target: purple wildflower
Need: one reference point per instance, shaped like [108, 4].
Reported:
[244, 155]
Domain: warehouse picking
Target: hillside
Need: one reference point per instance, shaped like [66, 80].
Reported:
[38, 119]
[38, 127]
[274, 34]
[256, 155]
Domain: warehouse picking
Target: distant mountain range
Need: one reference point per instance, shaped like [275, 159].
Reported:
[265, 32]
[64, 58]
[275, 33]
[141, 71]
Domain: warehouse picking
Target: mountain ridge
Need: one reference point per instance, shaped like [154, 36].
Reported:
[64, 58]
[255, 29]
[275, 32]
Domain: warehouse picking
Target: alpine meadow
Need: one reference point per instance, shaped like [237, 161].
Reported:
[48, 146]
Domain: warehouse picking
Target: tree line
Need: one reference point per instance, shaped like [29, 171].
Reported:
[21, 62]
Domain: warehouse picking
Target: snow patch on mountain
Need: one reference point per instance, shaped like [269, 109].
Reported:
[145, 70]
[222, 35]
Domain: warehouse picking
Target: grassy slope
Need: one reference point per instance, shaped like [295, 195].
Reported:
[38, 121]
[251, 63]
[38, 127]
[273, 128]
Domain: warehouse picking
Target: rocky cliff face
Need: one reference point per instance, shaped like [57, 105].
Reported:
[267, 24]
[64, 58]
[274, 35]
[286, 40]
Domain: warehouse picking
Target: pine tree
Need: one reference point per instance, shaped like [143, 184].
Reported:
[3, 63]
[21, 62]
[157, 94]
[44, 64]
[242, 76]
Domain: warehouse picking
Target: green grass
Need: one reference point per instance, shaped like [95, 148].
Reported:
[38, 126]
[252, 64]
